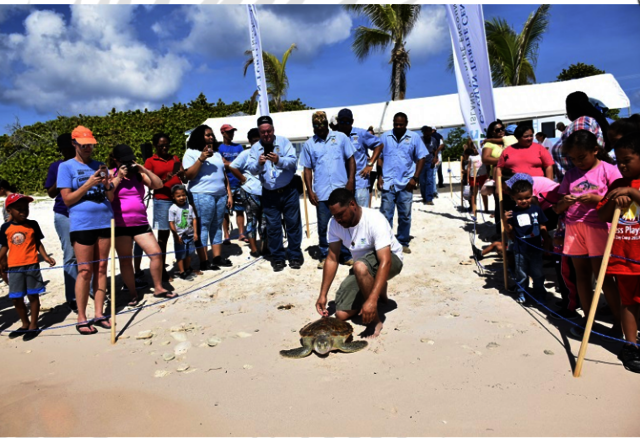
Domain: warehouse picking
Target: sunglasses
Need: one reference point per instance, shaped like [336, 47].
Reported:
[344, 122]
[498, 129]
[317, 125]
[85, 146]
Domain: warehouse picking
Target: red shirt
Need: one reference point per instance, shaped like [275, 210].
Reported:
[22, 240]
[627, 241]
[532, 160]
[162, 168]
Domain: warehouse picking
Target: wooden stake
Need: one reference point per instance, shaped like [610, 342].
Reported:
[505, 263]
[596, 295]
[113, 281]
[306, 212]
[450, 183]
[461, 182]
[474, 192]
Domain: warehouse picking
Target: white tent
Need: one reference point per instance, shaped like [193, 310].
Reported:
[512, 104]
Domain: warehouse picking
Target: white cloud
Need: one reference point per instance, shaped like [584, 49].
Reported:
[431, 34]
[221, 30]
[88, 66]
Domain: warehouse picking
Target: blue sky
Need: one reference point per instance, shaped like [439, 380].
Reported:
[89, 59]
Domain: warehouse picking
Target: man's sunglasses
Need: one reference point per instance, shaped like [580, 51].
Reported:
[85, 146]
[344, 122]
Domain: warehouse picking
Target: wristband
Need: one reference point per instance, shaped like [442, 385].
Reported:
[201, 160]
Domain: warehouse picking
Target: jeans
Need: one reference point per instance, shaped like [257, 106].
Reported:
[211, 212]
[276, 205]
[529, 264]
[427, 182]
[362, 197]
[402, 199]
[61, 224]
[323, 221]
[440, 175]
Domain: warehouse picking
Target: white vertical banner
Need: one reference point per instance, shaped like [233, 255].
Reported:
[258, 65]
[473, 72]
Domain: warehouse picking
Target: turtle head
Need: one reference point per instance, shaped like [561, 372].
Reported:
[322, 344]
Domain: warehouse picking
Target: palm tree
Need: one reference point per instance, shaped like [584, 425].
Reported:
[513, 57]
[275, 75]
[392, 24]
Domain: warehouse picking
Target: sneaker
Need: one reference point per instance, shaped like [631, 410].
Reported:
[208, 266]
[348, 262]
[295, 263]
[255, 254]
[278, 265]
[477, 253]
[520, 298]
[428, 203]
[185, 276]
[565, 313]
[226, 242]
[141, 283]
[406, 250]
[435, 195]
[576, 332]
[73, 306]
[221, 261]
[630, 358]
[321, 264]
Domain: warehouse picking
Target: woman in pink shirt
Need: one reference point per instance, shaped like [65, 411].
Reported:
[130, 214]
[526, 156]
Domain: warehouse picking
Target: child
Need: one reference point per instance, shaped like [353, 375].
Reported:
[624, 193]
[22, 240]
[582, 188]
[182, 222]
[525, 226]
[480, 171]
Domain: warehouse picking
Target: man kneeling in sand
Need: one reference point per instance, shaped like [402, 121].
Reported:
[377, 255]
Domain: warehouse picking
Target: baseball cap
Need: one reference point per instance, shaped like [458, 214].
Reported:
[345, 113]
[265, 119]
[425, 128]
[226, 127]
[510, 129]
[334, 120]
[15, 197]
[83, 135]
[123, 153]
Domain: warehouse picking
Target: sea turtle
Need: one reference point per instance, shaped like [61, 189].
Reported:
[323, 336]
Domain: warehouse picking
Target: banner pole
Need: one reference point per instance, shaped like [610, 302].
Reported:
[596, 294]
[450, 183]
[461, 182]
[474, 193]
[306, 212]
[505, 263]
[113, 281]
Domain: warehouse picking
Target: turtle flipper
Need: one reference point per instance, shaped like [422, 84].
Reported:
[352, 347]
[297, 353]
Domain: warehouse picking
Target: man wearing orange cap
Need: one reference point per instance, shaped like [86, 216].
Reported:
[230, 151]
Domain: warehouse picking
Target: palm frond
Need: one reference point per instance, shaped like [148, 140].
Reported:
[531, 35]
[407, 17]
[367, 40]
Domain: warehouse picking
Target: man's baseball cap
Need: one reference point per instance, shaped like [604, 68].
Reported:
[83, 135]
[226, 127]
[265, 119]
[15, 197]
[345, 113]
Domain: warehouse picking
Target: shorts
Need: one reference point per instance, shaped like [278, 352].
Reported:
[629, 288]
[25, 280]
[479, 181]
[132, 231]
[89, 237]
[349, 296]
[161, 214]
[584, 239]
[184, 250]
[237, 204]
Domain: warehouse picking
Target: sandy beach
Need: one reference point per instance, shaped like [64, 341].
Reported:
[456, 355]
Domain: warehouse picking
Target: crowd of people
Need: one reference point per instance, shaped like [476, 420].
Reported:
[559, 200]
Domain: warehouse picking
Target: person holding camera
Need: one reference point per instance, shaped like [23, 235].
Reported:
[83, 184]
[209, 187]
[127, 199]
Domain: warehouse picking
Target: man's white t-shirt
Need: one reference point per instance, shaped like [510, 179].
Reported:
[373, 232]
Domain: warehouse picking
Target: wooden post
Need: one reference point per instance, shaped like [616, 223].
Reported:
[474, 192]
[505, 264]
[306, 212]
[113, 281]
[461, 182]
[596, 295]
[450, 183]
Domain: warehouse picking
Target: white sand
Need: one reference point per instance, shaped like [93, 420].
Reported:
[456, 357]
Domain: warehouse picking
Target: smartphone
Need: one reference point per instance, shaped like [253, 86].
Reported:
[103, 171]
[267, 150]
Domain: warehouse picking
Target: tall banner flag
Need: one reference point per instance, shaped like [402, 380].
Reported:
[258, 65]
[473, 72]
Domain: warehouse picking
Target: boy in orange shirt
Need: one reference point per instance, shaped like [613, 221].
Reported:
[22, 238]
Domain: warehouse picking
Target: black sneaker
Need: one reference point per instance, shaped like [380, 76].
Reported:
[185, 276]
[208, 266]
[477, 253]
[73, 306]
[32, 334]
[630, 358]
[220, 261]
[278, 265]
[295, 264]
[566, 314]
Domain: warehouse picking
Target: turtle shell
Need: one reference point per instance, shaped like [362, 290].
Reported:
[328, 326]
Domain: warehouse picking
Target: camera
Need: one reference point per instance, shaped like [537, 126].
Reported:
[131, 167]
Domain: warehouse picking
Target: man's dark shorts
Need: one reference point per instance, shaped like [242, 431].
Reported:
[349, 296]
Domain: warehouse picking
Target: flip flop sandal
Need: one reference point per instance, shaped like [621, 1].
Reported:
[243, 238]
[103, 323]
[31, 334]
[166, 295]
[134, 302]
[17, 333]
[86, 325]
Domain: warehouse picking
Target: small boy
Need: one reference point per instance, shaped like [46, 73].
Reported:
[22, 238]
[182, 222]
[525, 226]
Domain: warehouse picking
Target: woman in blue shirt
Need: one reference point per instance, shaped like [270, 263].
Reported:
[209, 187]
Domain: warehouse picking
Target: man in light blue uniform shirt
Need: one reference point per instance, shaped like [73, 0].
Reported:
[402, 159]
[273, 159]
[328, 158]
[362, 140]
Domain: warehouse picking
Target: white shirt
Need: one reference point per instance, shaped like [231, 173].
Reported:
[476, 161]
[373, 232]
